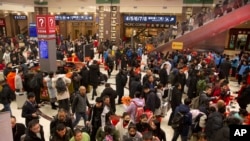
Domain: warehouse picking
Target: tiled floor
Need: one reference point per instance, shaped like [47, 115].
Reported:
[47, 109]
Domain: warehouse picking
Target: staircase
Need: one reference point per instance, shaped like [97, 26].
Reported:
[210, 29]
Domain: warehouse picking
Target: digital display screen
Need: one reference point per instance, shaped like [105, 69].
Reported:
[150, 19]
[43, 49]
[74, 18]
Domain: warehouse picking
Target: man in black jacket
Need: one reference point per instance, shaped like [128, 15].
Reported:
[29, 110]
[95, 117]
[6, 96]
[61, 117]
[111, 93]
[18, 129]
[121, 81]
[34, 132]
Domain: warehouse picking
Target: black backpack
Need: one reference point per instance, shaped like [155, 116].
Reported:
[60, 85]
[178, 120]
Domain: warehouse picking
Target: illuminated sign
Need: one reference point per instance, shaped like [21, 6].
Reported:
[74, 18]
[150, 19]
[43, 49]
[20, 17]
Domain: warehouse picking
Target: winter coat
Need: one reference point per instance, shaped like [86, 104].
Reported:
[176, 98]
[55, 121]
[244, 98]
[134, 87]
[213, 124]
[158, 111]
[132, 107]
[95, 117]
[150, 101]
[6, 94]
[80, 103]
[112, 95]
[158, 132]
[18, 130]
[94, 74]
[187, 119]
[192, 90]
[51, 85]
[11, 80]
[223, 134]
[121, 81]
[163, 76]
[63, 95]
[225, 68]
[85, 76]
[31, 136]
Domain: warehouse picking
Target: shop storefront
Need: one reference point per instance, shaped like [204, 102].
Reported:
[142, 27]
[239, 39]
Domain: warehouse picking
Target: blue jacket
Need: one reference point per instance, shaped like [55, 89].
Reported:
[187, 120]
[242, 69]
[235, 62]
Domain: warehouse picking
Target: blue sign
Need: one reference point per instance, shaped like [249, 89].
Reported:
[150, 19]
[74, 18]
[43, 49]
[32, 30]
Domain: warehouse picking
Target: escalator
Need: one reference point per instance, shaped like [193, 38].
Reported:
[211, 29]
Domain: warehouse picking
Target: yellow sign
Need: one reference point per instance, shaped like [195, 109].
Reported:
[177, 45]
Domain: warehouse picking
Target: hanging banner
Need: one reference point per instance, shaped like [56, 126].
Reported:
[107, 1]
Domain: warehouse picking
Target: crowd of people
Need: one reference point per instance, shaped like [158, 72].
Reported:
[169, 79]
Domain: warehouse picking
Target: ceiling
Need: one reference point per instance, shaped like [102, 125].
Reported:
[73, 6]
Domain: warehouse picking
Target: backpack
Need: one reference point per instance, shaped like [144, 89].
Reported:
[138, 112]
[201, 85]
[178, 120]
[195, 102]
[60, 85]
[195, 126]
[157, 102]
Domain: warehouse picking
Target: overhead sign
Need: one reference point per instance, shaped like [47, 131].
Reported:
[177, 45]
[147, 25]
[198, 1]
[46, 24]
[74, 18]
[32, 30]
[150, 19]
[20, 17]
[107, 1]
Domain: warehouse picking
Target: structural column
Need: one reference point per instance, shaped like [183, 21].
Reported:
[46, 39]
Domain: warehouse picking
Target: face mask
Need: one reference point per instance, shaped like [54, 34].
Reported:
[126, 121]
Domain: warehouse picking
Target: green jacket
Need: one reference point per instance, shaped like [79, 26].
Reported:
[85, 137]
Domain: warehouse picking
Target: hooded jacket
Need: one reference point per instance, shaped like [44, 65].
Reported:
[132, 107]
[187, 119]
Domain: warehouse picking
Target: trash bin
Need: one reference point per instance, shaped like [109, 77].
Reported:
[20, 99]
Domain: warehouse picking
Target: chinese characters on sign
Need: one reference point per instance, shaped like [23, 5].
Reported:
[74, 18]
[20, 17]
[150, 19]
